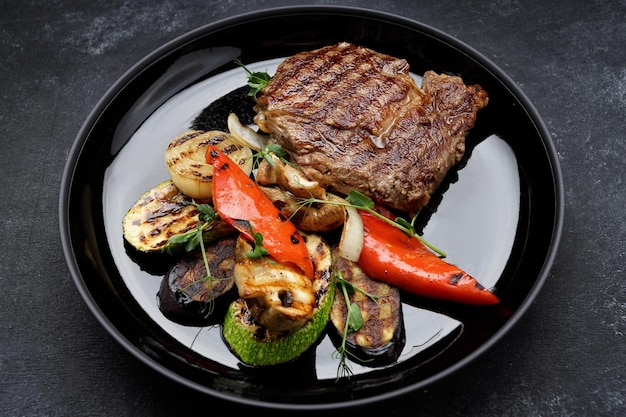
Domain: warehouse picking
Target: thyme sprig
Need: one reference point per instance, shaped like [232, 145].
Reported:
[358, 200]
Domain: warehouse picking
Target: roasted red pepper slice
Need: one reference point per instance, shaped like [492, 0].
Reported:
[391, 256]
[239, 201]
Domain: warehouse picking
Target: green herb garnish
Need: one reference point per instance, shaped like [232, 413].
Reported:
[259, 251]
[358, 200]
[266, 153]
[192, 239]
[256, 80]
[354, 322]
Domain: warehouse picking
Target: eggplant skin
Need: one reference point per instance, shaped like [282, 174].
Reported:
[187, 297]
[382, 337]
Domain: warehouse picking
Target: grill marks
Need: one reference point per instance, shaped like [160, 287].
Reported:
[370, 81]
[353, 118]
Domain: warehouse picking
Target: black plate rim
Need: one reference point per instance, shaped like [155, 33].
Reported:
[83, 134]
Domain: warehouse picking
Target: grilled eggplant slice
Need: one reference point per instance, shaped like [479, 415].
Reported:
[189, 296]
[161, 213]
[381, 338]
[258, 345]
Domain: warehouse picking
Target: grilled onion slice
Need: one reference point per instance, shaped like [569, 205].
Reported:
[185, 159]
[351, 242]
[245, 135]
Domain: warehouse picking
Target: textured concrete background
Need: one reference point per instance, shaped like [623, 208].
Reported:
[564, 358]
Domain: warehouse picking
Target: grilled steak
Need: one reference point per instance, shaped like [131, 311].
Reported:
[354, 119]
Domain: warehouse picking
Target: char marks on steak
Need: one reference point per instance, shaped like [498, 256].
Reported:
[354, 119]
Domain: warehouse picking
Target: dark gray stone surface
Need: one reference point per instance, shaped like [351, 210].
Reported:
[566, 357]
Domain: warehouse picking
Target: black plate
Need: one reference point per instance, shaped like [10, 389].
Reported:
[498, 215]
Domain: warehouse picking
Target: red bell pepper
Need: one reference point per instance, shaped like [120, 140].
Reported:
[240, 202]
[391, 256]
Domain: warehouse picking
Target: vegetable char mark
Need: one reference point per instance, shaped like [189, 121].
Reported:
[381, 315]
[158, 214]
[454, 279]
[189, 295]
[188, 153]
[185, 159]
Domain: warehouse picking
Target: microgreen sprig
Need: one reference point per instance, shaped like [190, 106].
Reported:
[193, 238]
[266, 153]
[256, 80]
[354, 322]
[259, 251]
[358, 200]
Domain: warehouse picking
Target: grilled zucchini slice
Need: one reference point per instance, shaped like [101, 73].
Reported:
[381, 338]
[161, 213]
[256, 345]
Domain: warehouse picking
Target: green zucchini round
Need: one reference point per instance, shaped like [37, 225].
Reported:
[256, 345]
[162, 212]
